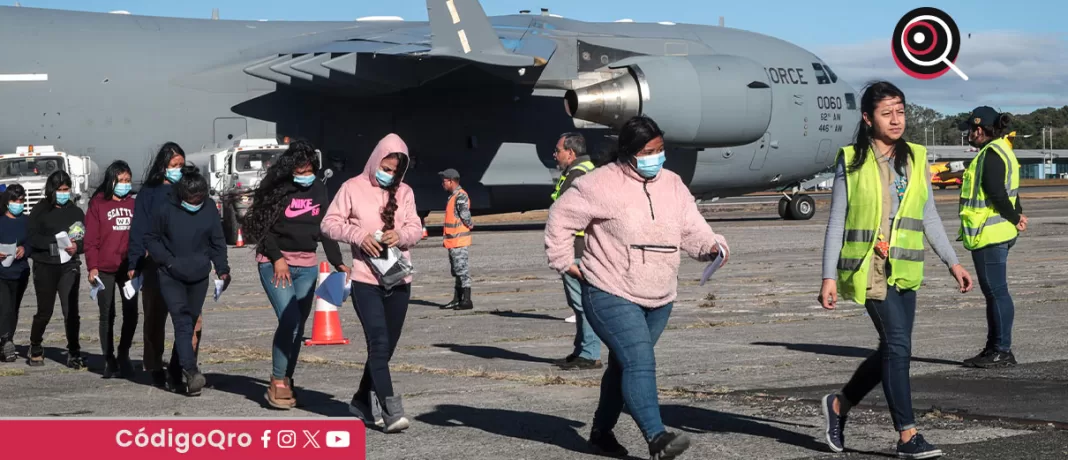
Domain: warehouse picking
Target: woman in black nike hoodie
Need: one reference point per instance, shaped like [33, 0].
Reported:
[186, 239]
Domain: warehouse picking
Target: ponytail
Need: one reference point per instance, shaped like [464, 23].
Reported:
[390, 210]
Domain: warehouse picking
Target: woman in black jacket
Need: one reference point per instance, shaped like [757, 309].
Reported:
[186, 239]
[52, 276]
[284, 222]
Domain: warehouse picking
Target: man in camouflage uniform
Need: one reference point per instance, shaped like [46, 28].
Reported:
[457, 238]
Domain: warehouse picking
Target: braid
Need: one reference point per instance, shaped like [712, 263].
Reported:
[390, 210]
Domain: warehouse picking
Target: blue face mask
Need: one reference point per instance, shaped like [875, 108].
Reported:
[192, 208]
[304, 181]
[62, 197]
[384, 179]
[174, 175]
[122, 189]
[16, 208]
[649, 166]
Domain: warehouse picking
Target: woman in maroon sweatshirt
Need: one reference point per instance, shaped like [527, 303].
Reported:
[107, 228]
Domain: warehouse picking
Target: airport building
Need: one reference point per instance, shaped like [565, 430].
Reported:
[1034, 164]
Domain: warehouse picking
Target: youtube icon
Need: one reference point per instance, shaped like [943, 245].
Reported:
[337, 439]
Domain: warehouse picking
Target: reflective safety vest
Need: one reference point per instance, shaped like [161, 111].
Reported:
[864, 226]
[981, 224]
[457, 235]
[585, 166]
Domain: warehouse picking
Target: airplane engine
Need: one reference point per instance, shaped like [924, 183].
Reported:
[700, 101]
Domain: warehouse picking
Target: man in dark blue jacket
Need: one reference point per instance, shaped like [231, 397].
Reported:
[186, 239]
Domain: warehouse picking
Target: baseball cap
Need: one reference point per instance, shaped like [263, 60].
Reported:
[982, 116]
[449, 174]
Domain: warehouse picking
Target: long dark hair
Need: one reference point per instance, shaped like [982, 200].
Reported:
[193, 184]
[390, 209]
[52, 185]
[111, 178]
[874, 93]
[269, 199]
[157, 171]
[13, 192]
[633, 136]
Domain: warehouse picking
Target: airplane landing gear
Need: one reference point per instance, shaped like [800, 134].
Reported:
[797, 207]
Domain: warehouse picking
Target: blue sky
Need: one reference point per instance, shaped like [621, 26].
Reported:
[850, 35]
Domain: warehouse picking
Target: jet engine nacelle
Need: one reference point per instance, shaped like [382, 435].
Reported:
[701, 101]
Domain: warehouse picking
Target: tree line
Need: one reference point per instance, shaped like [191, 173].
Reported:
[926, 125]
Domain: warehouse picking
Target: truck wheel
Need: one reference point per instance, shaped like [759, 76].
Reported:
[230, 225]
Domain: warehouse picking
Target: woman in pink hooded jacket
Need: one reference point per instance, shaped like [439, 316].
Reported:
[377, 200]
[637, 217]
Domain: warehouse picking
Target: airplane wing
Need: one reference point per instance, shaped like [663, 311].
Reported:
[379, 58]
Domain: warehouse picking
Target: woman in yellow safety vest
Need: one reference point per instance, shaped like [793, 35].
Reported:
[991, 219]
[882, 208]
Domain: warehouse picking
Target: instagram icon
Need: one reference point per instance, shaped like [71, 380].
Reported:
[287, 439]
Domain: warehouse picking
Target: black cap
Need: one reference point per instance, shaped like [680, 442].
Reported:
[982, 116]
[449, 174]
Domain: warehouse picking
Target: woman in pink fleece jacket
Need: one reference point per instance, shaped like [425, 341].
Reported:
[377, 200]
[637, 217]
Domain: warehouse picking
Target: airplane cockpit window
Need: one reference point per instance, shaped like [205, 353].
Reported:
[851, 101]
[834, 78]
[821, 76]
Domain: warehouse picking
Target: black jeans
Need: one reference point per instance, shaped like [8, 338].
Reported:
[50, 281]
[185, 303]
[11, 292]
[105, 299]
[382, 314]
[889, 364]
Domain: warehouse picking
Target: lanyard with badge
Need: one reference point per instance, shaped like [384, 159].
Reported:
[882, 247]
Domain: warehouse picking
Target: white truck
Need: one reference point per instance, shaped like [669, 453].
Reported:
[31, 165]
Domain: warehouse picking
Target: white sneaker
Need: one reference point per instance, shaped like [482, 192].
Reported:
[570, 319]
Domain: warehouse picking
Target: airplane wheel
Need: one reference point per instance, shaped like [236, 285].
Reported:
[802, 207]
[784, 208]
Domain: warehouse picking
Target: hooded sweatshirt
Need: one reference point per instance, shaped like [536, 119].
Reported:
[634, 230]
[187, 244]
[45, 222]
[107, 233]
[356, 211]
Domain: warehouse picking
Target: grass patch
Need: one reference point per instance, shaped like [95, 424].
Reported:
[709, 301]
[12, 372]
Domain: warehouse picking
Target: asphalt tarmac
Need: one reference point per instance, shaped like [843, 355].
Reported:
[740, 368]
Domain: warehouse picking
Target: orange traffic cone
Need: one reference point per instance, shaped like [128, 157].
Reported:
[240, 239]
[326, 330]
[424, 233]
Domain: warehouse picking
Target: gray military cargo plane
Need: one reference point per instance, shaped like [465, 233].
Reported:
[742, 111]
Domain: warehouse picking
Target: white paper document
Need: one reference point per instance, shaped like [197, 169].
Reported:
[10, 250]
[715, 265]
[95, 288]
[62, 243]
[132, 287]
[219, 288]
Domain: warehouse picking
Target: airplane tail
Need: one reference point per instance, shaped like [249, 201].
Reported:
[461, 29]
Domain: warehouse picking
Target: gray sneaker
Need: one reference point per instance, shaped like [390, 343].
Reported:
[394, 415]
[371, 414]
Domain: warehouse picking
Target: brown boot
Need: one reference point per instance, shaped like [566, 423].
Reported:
[279, 395]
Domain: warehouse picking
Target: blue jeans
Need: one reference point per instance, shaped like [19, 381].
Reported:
[991, 269]
[630, 332]
[893, 319]
[587, 344]
[292, 304]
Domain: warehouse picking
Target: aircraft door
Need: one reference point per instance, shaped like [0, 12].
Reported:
[823, 154]
[761, 154]
[228, 130]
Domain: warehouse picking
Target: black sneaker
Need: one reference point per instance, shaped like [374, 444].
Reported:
[835, 424]
[565, 360]
[8, 353]
[126, 369]
[995, 359]
[606, 445]
[111, 367]
[970, 362]
[74, 361]
[667, 446]
[159, 378]
[581, 364]
[195, 382]
[917, 448]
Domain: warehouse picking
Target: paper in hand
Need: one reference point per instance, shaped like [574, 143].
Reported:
[219, 288]
[95, 288]
[62, 243]
[334, 289]
[131, 288]
[10, 250]
[712, 267]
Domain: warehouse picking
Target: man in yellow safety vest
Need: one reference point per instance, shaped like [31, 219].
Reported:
[991, 219]
[572, 160]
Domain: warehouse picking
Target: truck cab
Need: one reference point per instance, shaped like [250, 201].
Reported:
[235, 173]
[31, 165]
